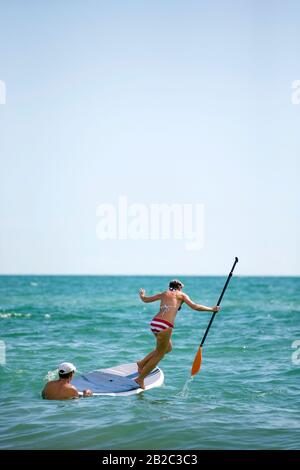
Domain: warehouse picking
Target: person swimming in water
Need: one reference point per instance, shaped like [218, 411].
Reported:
[163, 323]
[62, 389]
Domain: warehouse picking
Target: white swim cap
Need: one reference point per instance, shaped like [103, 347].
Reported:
[66, 368]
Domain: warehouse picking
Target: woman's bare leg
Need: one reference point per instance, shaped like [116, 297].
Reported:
[163, 346]
[143, 362]
[149, 356]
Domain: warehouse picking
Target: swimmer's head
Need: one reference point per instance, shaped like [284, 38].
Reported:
[175, 285]
[66, 370]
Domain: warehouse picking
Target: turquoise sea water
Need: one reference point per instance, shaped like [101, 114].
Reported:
[246, 395]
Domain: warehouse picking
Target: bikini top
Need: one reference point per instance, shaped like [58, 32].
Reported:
[165, 307]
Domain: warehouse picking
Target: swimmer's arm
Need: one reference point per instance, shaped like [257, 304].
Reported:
[153, 298]
[75, 394]
[199, 307]
[85, 393]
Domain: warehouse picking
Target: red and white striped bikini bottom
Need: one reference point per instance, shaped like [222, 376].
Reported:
[158, 324]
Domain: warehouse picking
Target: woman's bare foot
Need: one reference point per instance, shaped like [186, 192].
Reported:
[140, 382]
[139, 367]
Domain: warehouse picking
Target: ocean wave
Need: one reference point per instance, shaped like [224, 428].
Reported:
[14, 315]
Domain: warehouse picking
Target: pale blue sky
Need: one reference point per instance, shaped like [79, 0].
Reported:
[160, 101]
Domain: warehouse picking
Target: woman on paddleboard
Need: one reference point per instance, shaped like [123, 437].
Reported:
[163, 323]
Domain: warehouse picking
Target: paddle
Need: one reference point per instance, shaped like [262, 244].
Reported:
[198, 358]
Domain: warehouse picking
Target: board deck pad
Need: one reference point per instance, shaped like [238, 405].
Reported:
[118, 380]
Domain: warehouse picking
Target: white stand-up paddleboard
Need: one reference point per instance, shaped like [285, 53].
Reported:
[118, 380]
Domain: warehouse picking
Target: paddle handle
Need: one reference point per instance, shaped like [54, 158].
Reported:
[219, 301]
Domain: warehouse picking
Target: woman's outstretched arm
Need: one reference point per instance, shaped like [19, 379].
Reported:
[153, 298]
[195, 306]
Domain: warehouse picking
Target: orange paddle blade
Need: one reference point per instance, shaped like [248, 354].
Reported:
[197, 362]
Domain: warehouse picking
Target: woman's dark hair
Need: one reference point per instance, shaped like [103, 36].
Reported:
[175, 285]
[65, 376]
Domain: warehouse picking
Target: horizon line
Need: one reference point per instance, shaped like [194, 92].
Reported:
[141, 275]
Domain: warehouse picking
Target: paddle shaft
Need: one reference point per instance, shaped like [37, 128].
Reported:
[219, 301]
